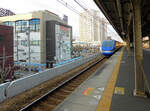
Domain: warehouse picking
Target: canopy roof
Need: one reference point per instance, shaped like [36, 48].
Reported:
[120, 14]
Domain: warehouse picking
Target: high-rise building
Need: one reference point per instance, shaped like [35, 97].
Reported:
[92, 27]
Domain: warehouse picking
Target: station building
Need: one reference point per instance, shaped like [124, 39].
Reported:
[30, 36]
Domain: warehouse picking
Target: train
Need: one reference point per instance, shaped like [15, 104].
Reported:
[108, 47]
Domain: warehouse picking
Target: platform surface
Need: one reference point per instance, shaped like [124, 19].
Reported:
[146, 63]
[86, 97]
[126, 78]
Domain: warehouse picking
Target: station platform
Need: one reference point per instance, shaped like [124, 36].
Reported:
[110, 88]
[123, 99]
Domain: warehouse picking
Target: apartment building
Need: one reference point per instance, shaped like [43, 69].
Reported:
[92, 27]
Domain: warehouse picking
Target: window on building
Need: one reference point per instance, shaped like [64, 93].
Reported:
[2, 38]
[24, 26]
[18, 26]
[24, 43]
[37, 25]
[1, 58]
[34, 25]
[35, 43]
[11, 23]
[6, 23]
[21, 26]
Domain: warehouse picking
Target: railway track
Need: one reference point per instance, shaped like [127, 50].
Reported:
[50, 100]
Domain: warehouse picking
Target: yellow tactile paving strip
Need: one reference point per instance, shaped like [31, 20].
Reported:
[106, 99]
[119, 90]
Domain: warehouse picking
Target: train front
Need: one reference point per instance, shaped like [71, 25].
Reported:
[108, 47]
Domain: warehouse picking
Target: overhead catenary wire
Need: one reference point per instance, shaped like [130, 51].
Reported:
[68, 6]
[81, 5]
[76, 11]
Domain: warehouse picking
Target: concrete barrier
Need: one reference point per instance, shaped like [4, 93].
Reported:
[2, 91]
[20, 85]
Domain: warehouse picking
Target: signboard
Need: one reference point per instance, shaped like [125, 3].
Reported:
[63, 43]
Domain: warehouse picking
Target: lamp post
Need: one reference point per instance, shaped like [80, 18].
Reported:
[60, 47]
[17, 47]
[28, 35]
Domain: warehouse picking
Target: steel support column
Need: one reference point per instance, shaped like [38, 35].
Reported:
[139, 81]
[120, 14]
[128, 40]
[149, 41]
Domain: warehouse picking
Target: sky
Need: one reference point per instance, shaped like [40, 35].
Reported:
[25, 6]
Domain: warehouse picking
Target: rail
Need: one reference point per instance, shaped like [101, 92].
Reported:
[29, 106]
[59, 86]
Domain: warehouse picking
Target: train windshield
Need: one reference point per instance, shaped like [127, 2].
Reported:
[108, 44]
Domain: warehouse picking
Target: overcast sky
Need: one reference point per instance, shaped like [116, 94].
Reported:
[25, 6]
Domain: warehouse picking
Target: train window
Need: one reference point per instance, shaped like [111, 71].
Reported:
[108, 44]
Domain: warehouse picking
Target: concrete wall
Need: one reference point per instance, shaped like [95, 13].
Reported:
[2, 91]
[28, 82]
